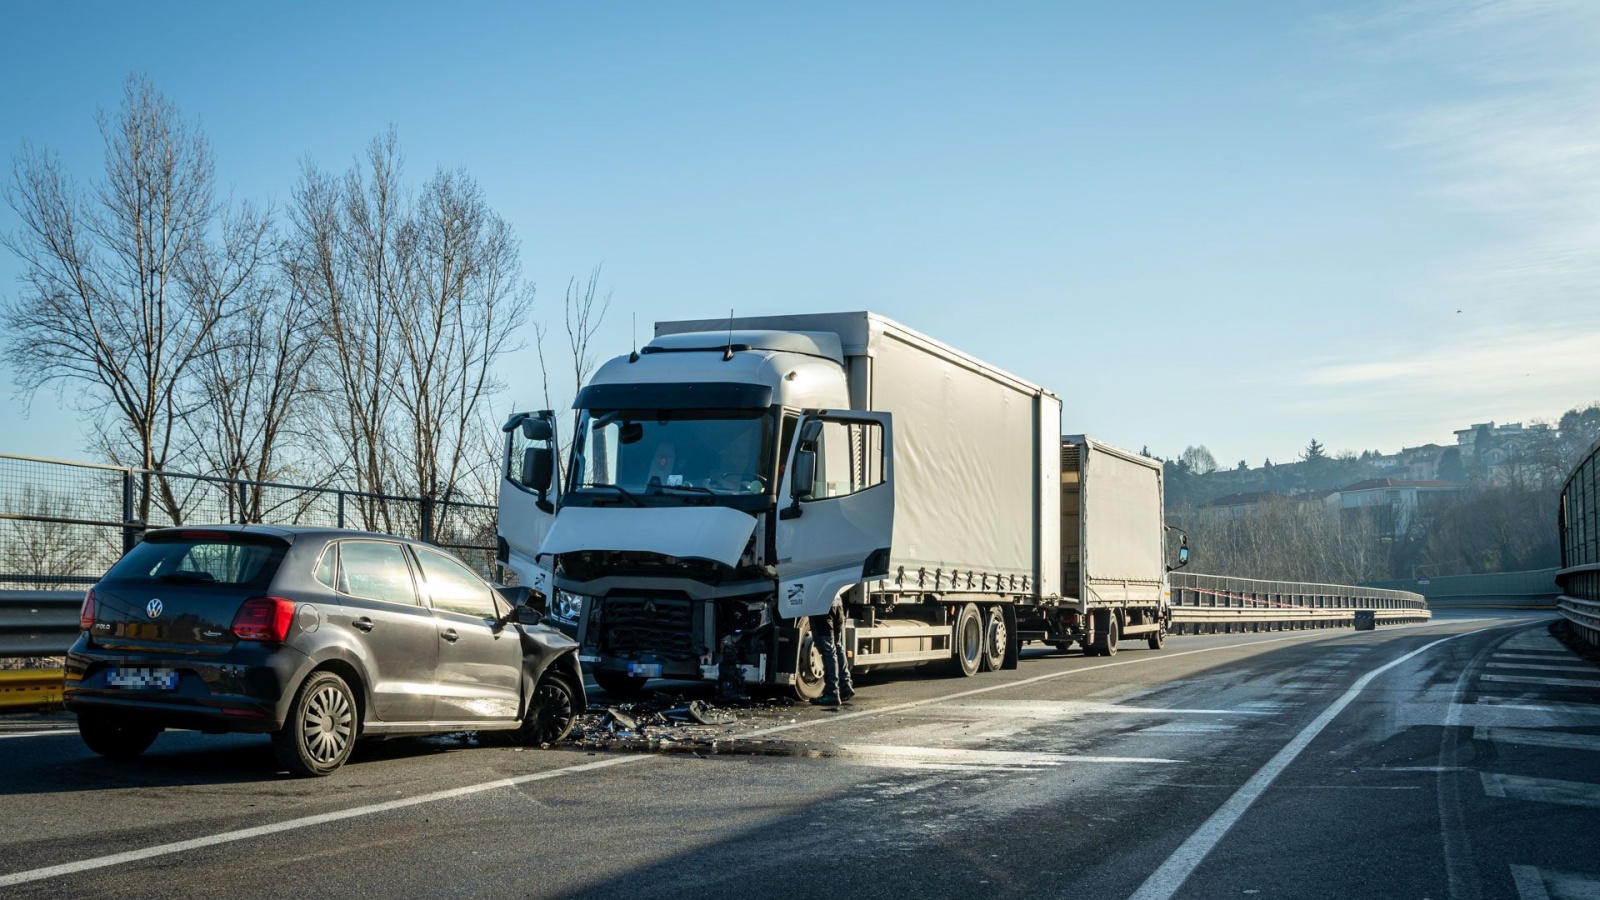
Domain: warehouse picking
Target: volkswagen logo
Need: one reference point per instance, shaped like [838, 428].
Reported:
[153, 608]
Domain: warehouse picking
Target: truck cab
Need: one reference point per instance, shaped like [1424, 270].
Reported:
[717, 491]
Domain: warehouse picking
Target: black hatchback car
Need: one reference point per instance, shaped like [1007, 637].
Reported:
[315, 636]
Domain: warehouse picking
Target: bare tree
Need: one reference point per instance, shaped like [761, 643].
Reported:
[418, 295]
[584, 312]
[253, 384]
[467, 301]
[124, 283]
[350, 255]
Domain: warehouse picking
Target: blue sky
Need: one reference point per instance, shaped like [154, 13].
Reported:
[1237, 224]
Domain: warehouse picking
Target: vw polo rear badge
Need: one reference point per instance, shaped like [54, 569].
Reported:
[153, 608]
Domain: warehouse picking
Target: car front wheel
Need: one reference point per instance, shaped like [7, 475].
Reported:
[551, 712]
[321, 730]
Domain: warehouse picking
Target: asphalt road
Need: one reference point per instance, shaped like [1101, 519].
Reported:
[1459, 759]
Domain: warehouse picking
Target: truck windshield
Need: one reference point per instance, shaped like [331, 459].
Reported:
[699, 452]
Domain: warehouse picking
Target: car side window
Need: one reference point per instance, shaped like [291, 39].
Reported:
[454, 587]
[375, 570]
[327, 565]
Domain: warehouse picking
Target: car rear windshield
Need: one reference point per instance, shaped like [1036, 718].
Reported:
[201, 560]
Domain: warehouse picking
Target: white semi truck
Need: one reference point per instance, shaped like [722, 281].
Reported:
[735, 476]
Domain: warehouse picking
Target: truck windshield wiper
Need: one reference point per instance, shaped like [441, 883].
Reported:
[614, 487]
[683, 487]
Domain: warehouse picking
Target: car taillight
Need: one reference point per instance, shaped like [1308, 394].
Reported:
[86, 612]
[264, 619]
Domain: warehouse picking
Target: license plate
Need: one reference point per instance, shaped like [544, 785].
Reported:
[143, 678]
[644, 670]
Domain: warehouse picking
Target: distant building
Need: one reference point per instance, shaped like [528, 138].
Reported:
[1234, 506]
[1397, 502]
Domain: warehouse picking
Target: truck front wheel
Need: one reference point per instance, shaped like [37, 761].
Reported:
[808, 678]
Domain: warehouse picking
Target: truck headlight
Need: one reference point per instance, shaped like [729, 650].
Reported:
[566, 607]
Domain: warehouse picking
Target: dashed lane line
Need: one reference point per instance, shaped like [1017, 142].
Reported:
[1537, 737]
[1541, 790]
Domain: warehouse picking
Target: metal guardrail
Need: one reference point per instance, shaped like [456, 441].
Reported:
[64, 523]
[30, 688]
[1584, 616]
[1209, 603]
[38, 623]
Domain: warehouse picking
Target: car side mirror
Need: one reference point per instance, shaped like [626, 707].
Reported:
[515, 594]
[527, 615]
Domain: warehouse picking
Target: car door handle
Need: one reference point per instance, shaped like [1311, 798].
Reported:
[450, 635]
[362, 624]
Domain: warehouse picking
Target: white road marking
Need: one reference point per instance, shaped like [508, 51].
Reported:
[225, 837]
[1165, 881]
[1534, 737]
[958, 759]
[1541, 790]
[17, 734]
[1529, 882]
[1541, 668]
[1542, 681]
[1534, 884]
[1547, 656]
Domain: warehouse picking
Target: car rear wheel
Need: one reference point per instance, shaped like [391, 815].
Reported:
[551, 712]
[115, 738]
[322, 726]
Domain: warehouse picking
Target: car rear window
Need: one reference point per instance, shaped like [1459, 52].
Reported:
[200, 561]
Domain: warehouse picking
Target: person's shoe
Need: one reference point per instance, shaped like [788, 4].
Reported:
[845, 694]
[825, 700]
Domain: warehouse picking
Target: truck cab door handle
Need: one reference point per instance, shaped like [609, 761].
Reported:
[361, 624]
[449, 634]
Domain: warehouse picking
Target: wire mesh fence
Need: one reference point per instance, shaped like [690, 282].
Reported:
[62, 524]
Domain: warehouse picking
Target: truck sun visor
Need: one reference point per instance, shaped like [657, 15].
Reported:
[679, 395]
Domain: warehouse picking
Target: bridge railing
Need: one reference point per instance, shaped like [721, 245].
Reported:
[1204, 603]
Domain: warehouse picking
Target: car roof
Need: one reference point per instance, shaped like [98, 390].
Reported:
[290, 532]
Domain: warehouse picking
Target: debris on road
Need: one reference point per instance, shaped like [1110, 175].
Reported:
[667, 721]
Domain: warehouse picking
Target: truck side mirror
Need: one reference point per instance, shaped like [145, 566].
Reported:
[805, 474]
[538, 467]
[537, 429]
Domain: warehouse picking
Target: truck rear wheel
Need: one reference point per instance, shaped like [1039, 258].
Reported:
[1107, 630]
[966, 641]
[995, 637]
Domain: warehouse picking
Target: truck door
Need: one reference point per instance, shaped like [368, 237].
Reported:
[836, 514]
[530, 491]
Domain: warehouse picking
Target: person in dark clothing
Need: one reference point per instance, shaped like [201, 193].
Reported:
[827, 631]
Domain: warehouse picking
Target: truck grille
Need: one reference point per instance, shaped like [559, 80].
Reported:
[660, 625]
